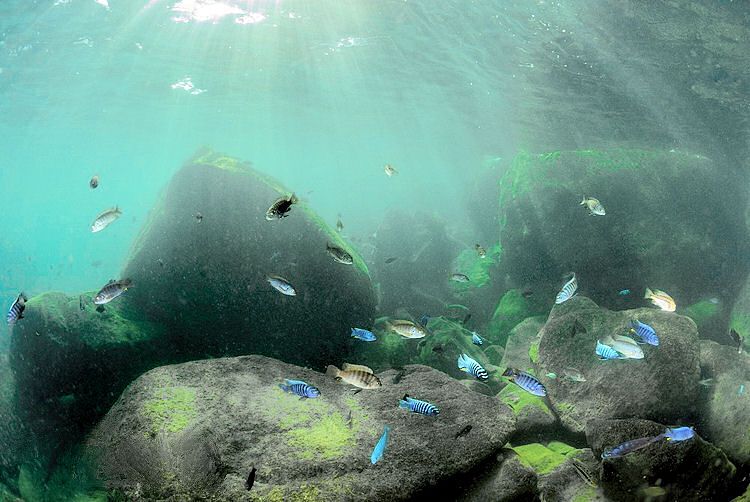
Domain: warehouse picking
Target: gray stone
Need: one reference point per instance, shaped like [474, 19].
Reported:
[520, 339]
[196, 429]
[507, 481]
[661, 386]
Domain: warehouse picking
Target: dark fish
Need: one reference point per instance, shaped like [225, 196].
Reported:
[281, 208]
[417, 406]
[112, 290]
[736, 338]
[466, 319]
[463, 432]
[527, 382]
[339, 225]
[584, 473]
[339, 254]
[424, 320]
[349, 420]
[81, 303]
[94, 182]
[199, 217]
[438, 349]
[250, 479]
[15, 313]
[100, 308]
[390, 260]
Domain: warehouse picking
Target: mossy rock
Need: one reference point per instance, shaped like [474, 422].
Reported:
[546, 233]
[200, 426]
[72, 362]
[476, 268]
[511, 310]
[539, 457]
[532, 412]
[522, 347]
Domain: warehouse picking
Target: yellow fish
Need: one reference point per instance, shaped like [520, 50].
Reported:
[355, 374]
[661, 300]
[407, 329]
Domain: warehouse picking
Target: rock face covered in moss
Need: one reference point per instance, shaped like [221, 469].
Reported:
[205, 281]
[691, 470]
[658, 230]
[661, 386]
[196, 429]
[70, 362]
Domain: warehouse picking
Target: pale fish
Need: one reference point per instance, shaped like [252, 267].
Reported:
[105, 219]
[594, 206]
[661, 299]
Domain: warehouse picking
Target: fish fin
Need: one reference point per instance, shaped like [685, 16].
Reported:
[302, 398]
[403, 404]
[355, 367]
[332, 371]
[648, 294]
[283, 387]
[583, 201]
[406, 396]
[508, 372]
[20, 316]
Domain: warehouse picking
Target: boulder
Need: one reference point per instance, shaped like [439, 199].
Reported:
[509, 480]
[534, 418]
[726, 412]
[740, 318]
[196, 429]
[566, 482]
[513, 308]
[691, 470]
[205, 281]
[687, 249]
[520, 340]
[662, 386]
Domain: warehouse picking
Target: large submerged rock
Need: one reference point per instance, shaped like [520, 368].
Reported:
[662, 386]
[196, 429]
[654, 233]
[691, 470]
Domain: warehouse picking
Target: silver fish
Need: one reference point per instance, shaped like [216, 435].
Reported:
[105, 219]
[459, 278]
[281, 285]
[567, 291]
[112, 290]
[594, 206]
[339, 254]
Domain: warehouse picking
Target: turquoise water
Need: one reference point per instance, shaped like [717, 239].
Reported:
[470, 101]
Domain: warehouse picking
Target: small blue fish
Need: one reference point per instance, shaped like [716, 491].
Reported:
[300, 388]
[679, 433]
[417, 406]
[377, 452]
[363, 334]
[568, 290]
[741, 390]
[645, 332]
[630, 446]
[16, 310]
[527, 382]
[476, 339]
[607, 352]
[624, 292]
[473, 368]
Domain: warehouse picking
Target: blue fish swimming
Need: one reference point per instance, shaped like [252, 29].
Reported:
[568, 290]
[678, 433]
[300, 388]
[630, 446]
[424, 320]
[470, 366]
[645, 332]
[377, 452]
[607, 352]
[16, 310]
[476, 339]
[363, 334]
[527, 382]
[418, 406]
[624, 292]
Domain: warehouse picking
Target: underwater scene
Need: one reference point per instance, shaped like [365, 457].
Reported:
[374, 250]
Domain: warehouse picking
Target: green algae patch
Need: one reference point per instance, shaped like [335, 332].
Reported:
[539, 458]
[327, 438]
[305, 493]
[171, 409]
[511, 310]
[476, 268]
[586, 494]
[518, 400]
[562, 448]
[702, 311]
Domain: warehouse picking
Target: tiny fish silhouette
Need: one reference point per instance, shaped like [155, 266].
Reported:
[463, 431]
[250, 479]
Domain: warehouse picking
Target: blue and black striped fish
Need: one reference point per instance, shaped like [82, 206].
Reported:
[16, 310]
[645, 332]
[630, 446]
[607, 352]
[300, 388]
[568, 290]
[470, 366]
[418, 406]
[527, 382]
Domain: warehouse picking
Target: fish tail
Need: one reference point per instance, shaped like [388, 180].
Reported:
[332, 371]
[648, 294]
[583, 201]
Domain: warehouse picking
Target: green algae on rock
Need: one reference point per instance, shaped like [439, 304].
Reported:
[171, 409]
[510, 311]
[242, 419]
[475, 267]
